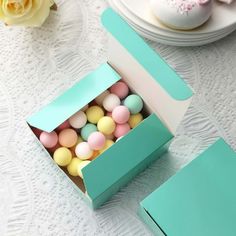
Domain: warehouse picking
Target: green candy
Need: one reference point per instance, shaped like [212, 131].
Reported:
[87, 130]
[134, 103]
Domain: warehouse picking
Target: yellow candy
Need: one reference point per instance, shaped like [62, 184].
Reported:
[108, 144]
[73, 166]
[62, 156]
[106, 125]
[94, 114]
[81, 165]
[134, 120]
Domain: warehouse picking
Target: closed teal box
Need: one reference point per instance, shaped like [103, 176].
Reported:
[200, 200]
[166, 99]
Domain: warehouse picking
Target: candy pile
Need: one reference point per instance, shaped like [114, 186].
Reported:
[93, 129]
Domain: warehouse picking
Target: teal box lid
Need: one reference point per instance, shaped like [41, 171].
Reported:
[75, 98]
[146, 71]
[200, 200]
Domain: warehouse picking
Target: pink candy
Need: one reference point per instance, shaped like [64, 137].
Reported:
[64, 125]
[121, 130]
[120, 89]
[96, 140]
[121, 114]
[49, 140]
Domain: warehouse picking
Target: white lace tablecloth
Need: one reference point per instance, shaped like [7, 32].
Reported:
[36, 65]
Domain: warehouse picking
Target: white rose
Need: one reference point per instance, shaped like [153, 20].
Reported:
[25, 12]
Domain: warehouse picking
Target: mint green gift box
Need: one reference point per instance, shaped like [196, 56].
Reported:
[166, 98]
[200, 200]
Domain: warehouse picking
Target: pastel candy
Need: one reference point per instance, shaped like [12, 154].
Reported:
[107, 145]
[134, 120]
[94, 114]
[78, 120]
[100, 98]
[110, 102]
[83, 151]
[73, 166]
[106, 125]
[62, 156]
[68, 138]
[87, 130]
[120, 114]
[81, 166]
[121, 130]
[49, 140]
[120, 89]
[134, 103]
[96, 140]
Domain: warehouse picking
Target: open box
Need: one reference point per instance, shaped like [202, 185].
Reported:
[166, 99]
[200, 200]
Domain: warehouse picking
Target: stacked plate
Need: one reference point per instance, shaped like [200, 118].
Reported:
[139, 15]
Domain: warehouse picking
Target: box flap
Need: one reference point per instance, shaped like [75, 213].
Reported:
[75, 98]
[121, 158]
[149, 75]
[201, 198]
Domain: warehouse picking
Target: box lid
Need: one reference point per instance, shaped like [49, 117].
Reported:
[200, 199]
[121, 159]
[75, 98]
[152, 78]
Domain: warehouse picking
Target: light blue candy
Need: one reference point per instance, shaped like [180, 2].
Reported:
[134, 103]
[87, 130]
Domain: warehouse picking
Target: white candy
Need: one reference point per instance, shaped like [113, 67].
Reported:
[83, 151]
[100, 98]
[78, 120]
[110, 102]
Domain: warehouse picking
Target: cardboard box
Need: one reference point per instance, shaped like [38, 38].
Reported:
[200, 200]
[166, 98]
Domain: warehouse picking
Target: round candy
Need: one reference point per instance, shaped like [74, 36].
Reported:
[53, 149]
[120, 114]
[108, 144]
[110, 102]
[134, 120]
[68, 138]
[48, 140]
[64, 125]
[134, 103]
[78, 120]
[96, 140]
[121, 130]
[62, 156]
[120, 89]
[83, 151]
[73, 166]
[81, 165]
[100, 98]
[94, 114]
[87, 130]
[106, 125]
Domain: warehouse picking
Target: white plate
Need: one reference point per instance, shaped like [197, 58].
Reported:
[223, 16]
[168, 36]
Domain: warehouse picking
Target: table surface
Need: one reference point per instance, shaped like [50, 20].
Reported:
[36, 65]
